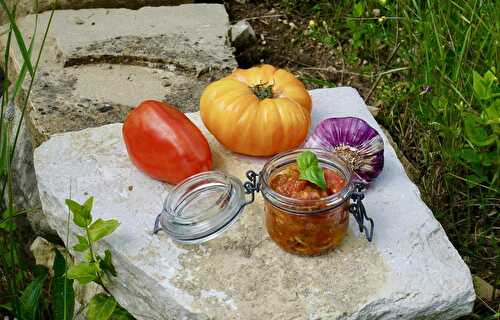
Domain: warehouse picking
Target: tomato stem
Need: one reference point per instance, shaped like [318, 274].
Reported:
[263, 91]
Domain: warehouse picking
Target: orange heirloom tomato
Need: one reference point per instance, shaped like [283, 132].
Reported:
[162, 142]
[259, 111]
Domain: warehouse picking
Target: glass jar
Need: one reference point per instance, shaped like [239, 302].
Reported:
[306, 227]
[205, 205]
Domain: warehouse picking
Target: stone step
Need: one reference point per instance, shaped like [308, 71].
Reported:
[99, 63]
[409, 271]
[26, 7]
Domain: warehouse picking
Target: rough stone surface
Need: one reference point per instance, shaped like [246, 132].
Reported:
[25, 7]
[24, 182]
[98, 64]
[44, 252]
[409, 271]
[242, 34]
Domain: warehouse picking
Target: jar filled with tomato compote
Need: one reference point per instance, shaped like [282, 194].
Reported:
[300, 217]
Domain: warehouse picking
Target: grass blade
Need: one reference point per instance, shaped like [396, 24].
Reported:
[4, 151]
[464, 48]
[23, 111]
[24, 68]
[5, 84]
[436, 33]
[19, 38]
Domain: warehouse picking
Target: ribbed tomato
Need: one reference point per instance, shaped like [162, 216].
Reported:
[162, 142]
[259, 111]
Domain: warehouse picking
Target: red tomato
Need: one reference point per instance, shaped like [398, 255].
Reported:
[334, 182]
[162, 142]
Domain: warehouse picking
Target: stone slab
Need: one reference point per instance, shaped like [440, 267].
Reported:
[26, 7]
[409, 271]
[99, 63]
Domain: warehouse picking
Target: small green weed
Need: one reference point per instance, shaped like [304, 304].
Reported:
[481, 156]
[95, 268]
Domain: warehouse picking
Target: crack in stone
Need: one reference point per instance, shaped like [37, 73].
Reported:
[160, 51]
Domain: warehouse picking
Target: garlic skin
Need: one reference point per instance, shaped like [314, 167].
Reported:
[355, 141]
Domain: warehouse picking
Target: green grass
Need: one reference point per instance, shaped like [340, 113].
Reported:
[444, 119]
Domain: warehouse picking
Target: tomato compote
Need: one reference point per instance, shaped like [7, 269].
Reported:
[307, 233]
[288, 183]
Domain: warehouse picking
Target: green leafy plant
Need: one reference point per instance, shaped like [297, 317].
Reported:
[309, 169]
[356, 26]
[482, 131]
[94, 267]
[321, 33]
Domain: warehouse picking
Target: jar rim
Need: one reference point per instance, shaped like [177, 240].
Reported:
[202, 206]
[326, 159]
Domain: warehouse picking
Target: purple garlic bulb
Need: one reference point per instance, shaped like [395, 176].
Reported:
[354, 140]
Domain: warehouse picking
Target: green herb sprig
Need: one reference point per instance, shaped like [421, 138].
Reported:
[310, 170]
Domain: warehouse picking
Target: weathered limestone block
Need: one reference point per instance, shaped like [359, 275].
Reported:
[409, 271]
[24, 182]
[25, 7]
[99, 63]
[44, 252]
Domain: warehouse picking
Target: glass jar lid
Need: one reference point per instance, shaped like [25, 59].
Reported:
[201, 207]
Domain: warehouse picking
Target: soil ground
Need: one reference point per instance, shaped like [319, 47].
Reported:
[281, 43]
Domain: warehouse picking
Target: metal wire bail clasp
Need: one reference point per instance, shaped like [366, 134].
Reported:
[251, 186]
[358, 210]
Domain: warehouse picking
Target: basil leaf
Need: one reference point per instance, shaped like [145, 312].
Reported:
[310, 170]
[306, 159]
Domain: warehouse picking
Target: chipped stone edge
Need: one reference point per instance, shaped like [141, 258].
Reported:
[139, 288]
[467, 292]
